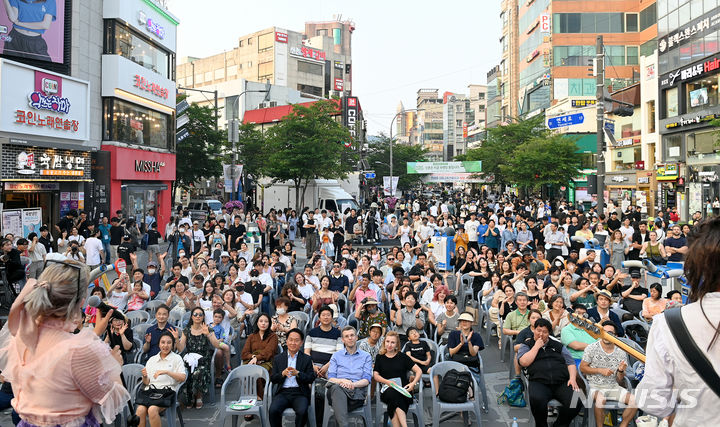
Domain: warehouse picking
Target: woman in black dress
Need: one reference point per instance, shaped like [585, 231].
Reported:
[390, 366]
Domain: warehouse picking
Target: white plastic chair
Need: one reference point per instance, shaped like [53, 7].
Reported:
[302, 319]
[246, 376]
[415, 409]
[140, 330]
[137, 317]
[365, 412]
[439, 407]
[151, 306]
[289, 414]
[176, 318]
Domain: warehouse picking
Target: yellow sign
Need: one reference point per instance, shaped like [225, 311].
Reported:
[668, 172]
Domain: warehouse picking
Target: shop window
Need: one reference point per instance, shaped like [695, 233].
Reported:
[702, 143]
[266, 42]
[136, 48]
[672, 148]
[701, 94]
[651, 116]
[312, 90]
[309, 67]
[671, 102]
[134, 124]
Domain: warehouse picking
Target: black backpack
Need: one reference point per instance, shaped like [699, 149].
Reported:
[454, 386]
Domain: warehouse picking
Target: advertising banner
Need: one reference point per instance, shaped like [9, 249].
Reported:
[12, 222]
[31, 221]
[444, 167]
[23, 39]
[386, 185]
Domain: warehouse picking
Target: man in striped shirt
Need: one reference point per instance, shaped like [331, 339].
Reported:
[322, 341]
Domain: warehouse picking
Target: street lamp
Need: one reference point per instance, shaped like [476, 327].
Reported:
[417, 110]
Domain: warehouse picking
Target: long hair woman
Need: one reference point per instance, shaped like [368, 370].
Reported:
[58, 377]
[702, 319]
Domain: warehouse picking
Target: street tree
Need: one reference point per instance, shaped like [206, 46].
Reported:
[544, 160]
[309, 144]
[201, 154]
[502, 141]
[379, 156]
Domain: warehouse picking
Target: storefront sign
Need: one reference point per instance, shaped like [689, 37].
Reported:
[644, 180]
[338, 65]
[532, 55]
[691, 72]
[153, 26]
[339, 84]
[131, 164]
[682, 35]
[151, 87]
[281, 37]
[650, 72]
[35, 102]
[545, 23]
[148, 166]
[579, 103]
[351, 112]
[619, 178]
[27, 187]
[307, 52]
[667, 172]
[708, 176]
[640, 165]
[34, 163]
[694, 120]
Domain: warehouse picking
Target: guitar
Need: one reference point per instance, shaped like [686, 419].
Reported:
[596, 331]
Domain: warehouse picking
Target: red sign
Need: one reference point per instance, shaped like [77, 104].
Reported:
[132, 164]
[153, 88]
[640, 165]
[307, 52]
[352, 102]
[281, 37]
[465, 130]
[339, 84]
[30, 118]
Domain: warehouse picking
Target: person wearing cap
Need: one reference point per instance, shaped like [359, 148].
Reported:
[601, 312]
[634, 294]
[372, 343]
[464, 344]
[551, 373]
[370, 315]
[224, 264]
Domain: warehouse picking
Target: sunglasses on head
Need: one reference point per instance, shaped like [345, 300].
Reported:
[75, 266]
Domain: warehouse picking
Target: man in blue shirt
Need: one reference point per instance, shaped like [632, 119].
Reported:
[104, 228]
[153, 333]
[348, 377]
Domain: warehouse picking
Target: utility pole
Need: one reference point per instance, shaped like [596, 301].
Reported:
[600, 106]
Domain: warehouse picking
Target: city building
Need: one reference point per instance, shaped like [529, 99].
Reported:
[557, 45]
[478, 104]
[494, 98]
[430, 122]
[136, 168]
[406, 126]
[457, 114]
[509, 79]
[317, 63]
[688, 171]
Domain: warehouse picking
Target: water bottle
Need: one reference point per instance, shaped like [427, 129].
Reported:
[514, 424]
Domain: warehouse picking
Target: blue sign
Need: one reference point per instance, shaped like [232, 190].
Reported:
[569, 120]
[610, 126]
[370, 175]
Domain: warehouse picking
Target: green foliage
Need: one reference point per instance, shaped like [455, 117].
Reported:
[527, 154]
[200, 155]
[252, 150]
[379, 151]
[308, 144]
[549, 160]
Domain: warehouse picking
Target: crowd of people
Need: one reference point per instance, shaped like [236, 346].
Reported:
[371, 314]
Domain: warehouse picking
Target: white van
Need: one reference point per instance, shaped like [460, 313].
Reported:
[204, 206]
[335, 199]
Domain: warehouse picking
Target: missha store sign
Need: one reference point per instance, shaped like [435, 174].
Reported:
[36, 102]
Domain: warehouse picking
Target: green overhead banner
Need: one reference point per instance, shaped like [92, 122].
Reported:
[444, 167]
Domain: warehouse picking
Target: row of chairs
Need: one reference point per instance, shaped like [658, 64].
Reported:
[242, 384]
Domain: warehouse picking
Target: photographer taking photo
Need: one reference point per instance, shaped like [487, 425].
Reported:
[10, 257]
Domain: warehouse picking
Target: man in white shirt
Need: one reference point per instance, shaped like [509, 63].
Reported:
[627, 231]
[433, 208]
[471, 227]
[94, 253]
[37, 253]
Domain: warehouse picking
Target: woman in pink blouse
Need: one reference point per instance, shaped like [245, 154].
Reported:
[655, 304]
[60, 378]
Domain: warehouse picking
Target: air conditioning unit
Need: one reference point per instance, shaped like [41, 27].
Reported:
[263, 105]
[273, 103]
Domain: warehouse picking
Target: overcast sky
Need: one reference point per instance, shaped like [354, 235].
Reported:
[399, 46]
